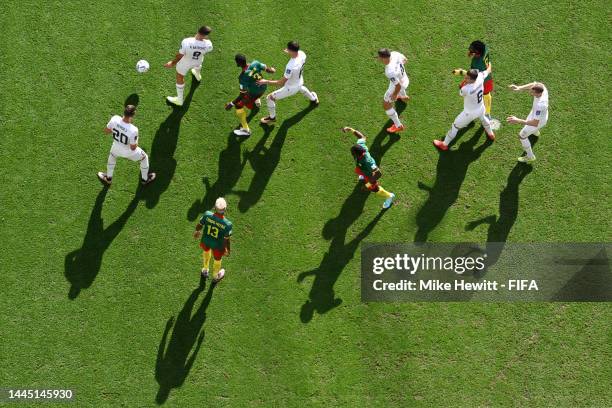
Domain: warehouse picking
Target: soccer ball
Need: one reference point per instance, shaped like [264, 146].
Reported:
[142, 66]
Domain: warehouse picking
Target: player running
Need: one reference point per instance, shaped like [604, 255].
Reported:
[398, 84]
[215, 231]
[479, 53]
[366, 167]
[536, 120]
[250, 90]
[291, 83]
[473, 107]
[189, 57]
[125, 144]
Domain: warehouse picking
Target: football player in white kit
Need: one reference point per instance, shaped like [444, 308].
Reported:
[291, 83]
[125, 144]
[472, 89]
[398, 84]
[537, 119]
[189, 57]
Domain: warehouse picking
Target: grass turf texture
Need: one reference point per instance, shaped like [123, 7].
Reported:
[100, 287]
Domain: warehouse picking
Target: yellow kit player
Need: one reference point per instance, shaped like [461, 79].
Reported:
[215, 231]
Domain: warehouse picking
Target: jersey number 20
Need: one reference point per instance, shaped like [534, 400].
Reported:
[120, 137]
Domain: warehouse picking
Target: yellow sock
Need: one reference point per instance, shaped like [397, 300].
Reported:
[241, 113]
[383, 193]
[216, 266]
[206, 258]
[487, 102]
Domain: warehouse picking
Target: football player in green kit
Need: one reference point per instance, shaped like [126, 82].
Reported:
[214, 231]
[479, 53]
[250, 90]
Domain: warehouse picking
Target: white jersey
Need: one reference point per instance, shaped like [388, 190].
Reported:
[294, 70]
[124, 134]
[395, 71]
[193, 50]
[539, 110]
[472, 94]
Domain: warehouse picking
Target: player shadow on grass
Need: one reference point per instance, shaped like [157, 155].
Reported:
[322, 297]
[230, 170]
[264, 160]
[451, 171]
[500, 226]
[176, 356]
[81, 266]
[163, 148]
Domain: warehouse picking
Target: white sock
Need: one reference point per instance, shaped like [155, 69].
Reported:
[271, 107]
[451, 134]
[527, 147]
[144, 167]
[486, 124]
[392, 113]
[110, 165]
[180, 90]
[306, 92]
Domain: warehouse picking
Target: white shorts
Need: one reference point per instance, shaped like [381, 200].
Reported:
[391, 89]
[184, 65]
[127, 153]
[527, 131]
[285, 92]
[465, 118]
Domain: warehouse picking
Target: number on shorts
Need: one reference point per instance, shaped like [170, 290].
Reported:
[479, 96]
[196, 55]
[120, 137]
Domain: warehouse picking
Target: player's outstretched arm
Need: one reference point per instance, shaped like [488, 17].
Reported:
[270, 70]
[521, 87]
[357, 133]
[198, 231]
[518, 121]
[174, 61]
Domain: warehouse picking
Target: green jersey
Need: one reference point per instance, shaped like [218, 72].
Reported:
[215, 230]
[480, 63]
[366, 163]
[248, 78]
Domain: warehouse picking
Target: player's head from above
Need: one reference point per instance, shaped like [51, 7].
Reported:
[384, 55]
[292, 48]
[471, 75]
[220, 205]
[476, 49]
[129, 112]
[241, 60]
[357, 151]
[537, 89]
[203, 32]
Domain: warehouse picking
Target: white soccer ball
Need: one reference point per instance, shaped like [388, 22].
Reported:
[142, 66]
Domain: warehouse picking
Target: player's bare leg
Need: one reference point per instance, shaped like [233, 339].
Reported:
[180, 90]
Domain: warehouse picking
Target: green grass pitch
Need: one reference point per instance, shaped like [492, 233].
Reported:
[100, 287]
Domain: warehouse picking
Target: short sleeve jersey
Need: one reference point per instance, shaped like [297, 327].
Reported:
[124, 134]
[480, 63]
[539, 109]
[394, 70]
[248, 78]
[294, 70]
[193, 50]
[472, 94]
[215, 230]
[366, 162]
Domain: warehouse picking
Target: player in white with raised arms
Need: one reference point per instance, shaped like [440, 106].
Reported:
[537, 119]
[125, 144]
[398, 84]
[472, 89]
[292, 81]
[189, 57]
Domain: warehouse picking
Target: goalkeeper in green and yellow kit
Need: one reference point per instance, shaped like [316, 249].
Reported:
[250, 90]
[214, 231]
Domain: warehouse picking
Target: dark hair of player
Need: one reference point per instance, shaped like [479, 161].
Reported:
[384, 53]
[478, 47]
[129, 111]
[473, 73]
[204, 30]
[537, 88]
[293, 46]
[357, 151]
[241, 60]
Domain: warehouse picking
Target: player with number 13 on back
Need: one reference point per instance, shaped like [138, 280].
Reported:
[189, 57]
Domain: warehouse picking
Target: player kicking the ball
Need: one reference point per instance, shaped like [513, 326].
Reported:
[250, 90]
[366, 168]
[398, 84]
[125, 144]
[291, 83]
[473, 107]
[215, 231]
[189, 57]
[536, 120]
